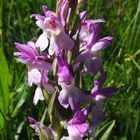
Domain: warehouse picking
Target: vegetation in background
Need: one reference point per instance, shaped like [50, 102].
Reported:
[121, 61]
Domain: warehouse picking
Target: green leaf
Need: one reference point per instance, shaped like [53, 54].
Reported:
[52, 114]
[52, 106]
[108, 131]
[41, 136]
[19, 129]
[45, 133]
[22, 94]
[46, 95]
[100, 131]
[4, 89]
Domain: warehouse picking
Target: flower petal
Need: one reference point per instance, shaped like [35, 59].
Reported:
[34, 76]
[78, 129]
[42, 42]
[38, 95]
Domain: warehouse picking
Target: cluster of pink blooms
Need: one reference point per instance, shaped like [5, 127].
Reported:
[57, 62]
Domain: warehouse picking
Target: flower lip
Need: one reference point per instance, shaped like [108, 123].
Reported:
[77, 126]
[53, 24]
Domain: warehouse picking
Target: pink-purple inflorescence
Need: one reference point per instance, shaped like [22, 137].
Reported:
[67, 51]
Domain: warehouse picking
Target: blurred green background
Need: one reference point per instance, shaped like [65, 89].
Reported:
[121, 60]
